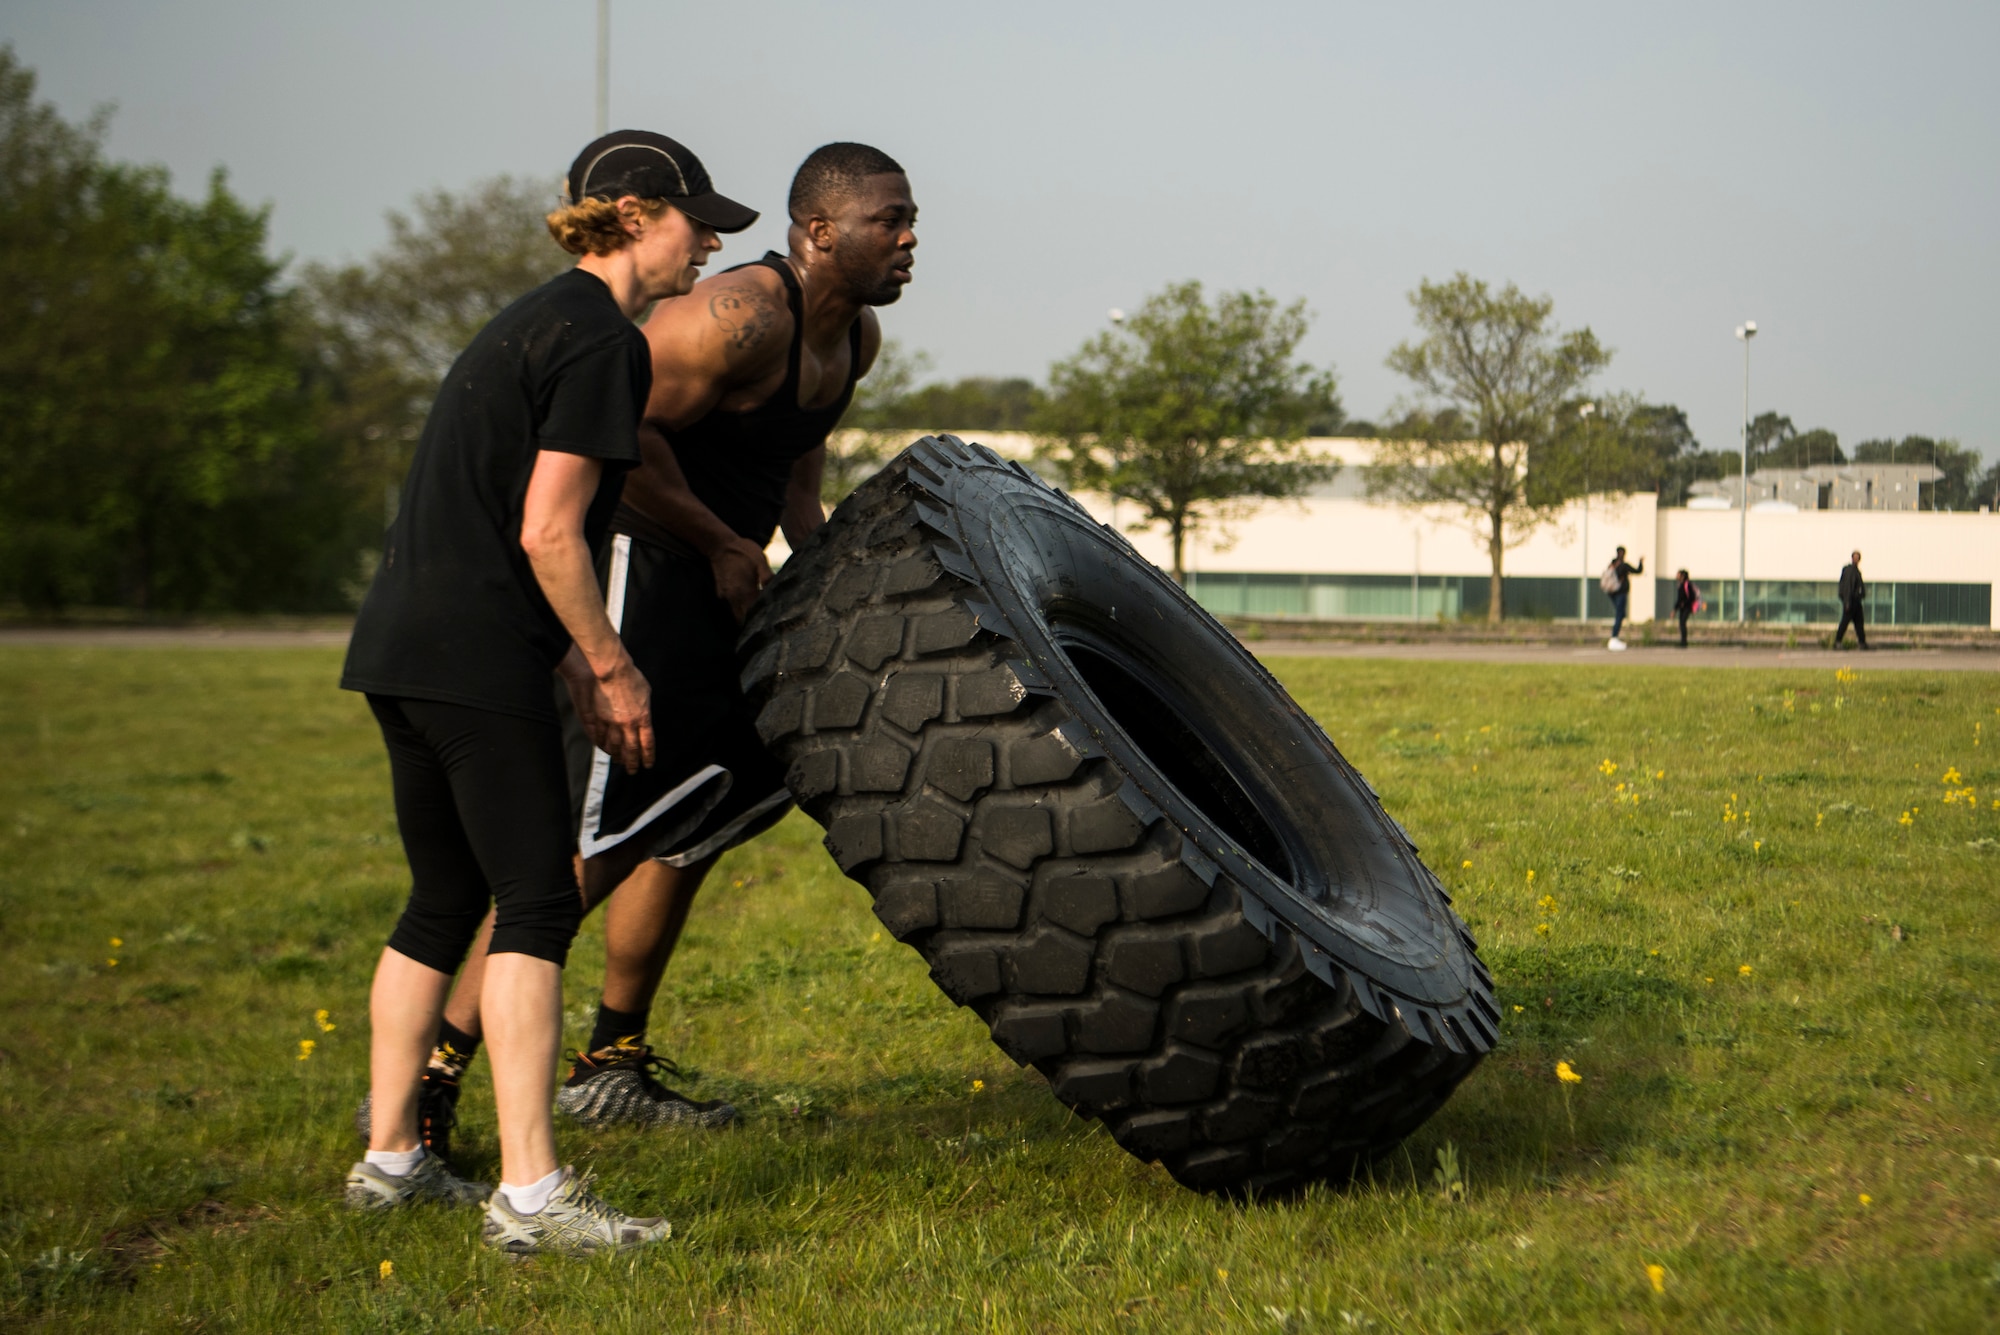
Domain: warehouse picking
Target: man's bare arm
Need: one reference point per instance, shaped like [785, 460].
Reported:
[803, 513]
[659, 490]
[726, 339]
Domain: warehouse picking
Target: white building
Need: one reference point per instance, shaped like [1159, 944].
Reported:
[1338, 553]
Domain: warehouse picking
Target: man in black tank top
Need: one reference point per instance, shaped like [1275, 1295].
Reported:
[751, 371]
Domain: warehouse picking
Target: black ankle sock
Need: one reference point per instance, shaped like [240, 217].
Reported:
[613, 1025]
[457, 1044]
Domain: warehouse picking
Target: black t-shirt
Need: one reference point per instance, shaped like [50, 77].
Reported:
[455, 613]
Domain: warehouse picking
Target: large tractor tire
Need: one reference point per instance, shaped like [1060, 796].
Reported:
[1109, 831]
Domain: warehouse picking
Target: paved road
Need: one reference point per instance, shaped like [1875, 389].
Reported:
[1923, 660]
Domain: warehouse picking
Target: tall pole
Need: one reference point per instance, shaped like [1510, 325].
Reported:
[1745, 331]
[1583, 583]
[603, 67]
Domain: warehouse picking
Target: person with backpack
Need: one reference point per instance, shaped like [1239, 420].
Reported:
[1687, 601]
[1617, 581]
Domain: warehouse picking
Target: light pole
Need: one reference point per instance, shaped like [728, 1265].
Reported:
[1745, 331]
[1583, 584]
[603, 67]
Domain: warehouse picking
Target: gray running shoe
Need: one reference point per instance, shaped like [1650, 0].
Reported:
[615, 1086]
[574, 1222]
[369, 1188]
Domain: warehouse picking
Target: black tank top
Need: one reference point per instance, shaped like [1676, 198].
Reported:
[739, 464]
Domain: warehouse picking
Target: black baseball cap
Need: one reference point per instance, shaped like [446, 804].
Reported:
[652, 166]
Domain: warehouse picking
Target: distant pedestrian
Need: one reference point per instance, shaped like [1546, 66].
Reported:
[1687, 601]
[1617, 581]
[1852, 590]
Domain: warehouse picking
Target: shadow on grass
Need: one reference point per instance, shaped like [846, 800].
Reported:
[1516, 1121]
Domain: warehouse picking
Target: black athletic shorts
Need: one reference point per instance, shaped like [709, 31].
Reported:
[713, 785]
[480, 803]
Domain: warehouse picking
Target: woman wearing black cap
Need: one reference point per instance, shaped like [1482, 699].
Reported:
[486, 586]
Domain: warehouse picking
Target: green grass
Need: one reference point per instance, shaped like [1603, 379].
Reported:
[171, 1164]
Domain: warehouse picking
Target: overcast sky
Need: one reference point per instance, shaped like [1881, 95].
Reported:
[1663, 172]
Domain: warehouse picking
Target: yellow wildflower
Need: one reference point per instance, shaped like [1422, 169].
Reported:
[326, 1026]
[1541, 929]
[1905, 819]
[978, 1085]
[117, 942]
[1620, 788]
[306, 1047]
[386, 1269]
[1743, 971]
[1819, 819]
[1951, 776]
[1222, 1274]
[1608, 766]
[1656, 1275]
[1547, 903]
[1519, 1009]
[1756, 845]
[1707, 980]
[1659, 774]
[111, 964]
[1866, 1199]
[1531, 876]
[1465, 865]
[1567, 1074]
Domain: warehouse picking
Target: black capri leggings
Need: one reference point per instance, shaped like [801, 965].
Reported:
[482, 799]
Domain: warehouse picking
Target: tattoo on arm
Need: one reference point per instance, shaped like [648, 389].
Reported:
[745, 317]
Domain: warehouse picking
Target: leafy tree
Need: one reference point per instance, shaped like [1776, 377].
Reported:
[1986, 491]
[155, 439]
[1961, 487]
[1189, 410]
[1624, 445]
[977, 403]
[1492, 375]
[1776, 443]
[389, 328]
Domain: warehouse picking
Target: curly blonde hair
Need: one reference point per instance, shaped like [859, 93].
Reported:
[595, 226]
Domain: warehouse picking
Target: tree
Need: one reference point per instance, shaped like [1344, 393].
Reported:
[1960, 488]
[1624, 445]
[156, 447]
[1776, 443]
[1496, 361]
[389, 328]
[974, 403]
[1986, 491]
[1189, 410]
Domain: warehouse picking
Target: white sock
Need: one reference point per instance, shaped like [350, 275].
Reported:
[531, 1198]
[397, 1163]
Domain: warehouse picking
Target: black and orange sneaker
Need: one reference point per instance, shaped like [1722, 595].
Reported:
[615, 1086]
[437, 1109]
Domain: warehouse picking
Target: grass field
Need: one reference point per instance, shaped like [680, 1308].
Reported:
[1699, 889]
